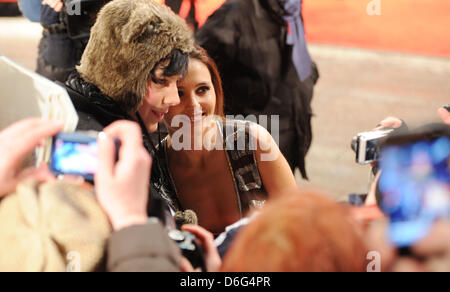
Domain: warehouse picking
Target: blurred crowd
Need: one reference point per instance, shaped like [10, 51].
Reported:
[182, 182]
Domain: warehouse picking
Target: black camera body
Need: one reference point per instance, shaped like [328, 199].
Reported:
[189, 248]
[185, 240]
[79, 16]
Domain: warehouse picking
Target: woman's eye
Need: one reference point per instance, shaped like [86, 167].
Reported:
[162, 81]
[180, 93]
[203, 90]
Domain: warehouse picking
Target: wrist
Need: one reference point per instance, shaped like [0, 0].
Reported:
[127, 221]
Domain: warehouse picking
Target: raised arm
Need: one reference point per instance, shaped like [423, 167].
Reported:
[275, 172]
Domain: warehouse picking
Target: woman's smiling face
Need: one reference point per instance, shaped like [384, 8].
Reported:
[197, 95]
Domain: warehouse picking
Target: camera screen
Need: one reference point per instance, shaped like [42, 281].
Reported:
[77, 158]
[372, 150]
[415, 184]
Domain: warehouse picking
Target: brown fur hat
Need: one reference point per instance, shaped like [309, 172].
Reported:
[128, 39]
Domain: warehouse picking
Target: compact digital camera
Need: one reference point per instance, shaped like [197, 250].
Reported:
[76, 154]
[189, 248]
[185, 240]
[367, 145]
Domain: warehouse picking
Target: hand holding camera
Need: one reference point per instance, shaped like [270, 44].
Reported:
[211, 255]
[120, 166]
[195, 243]
[367, 145]
[444, 113]
[122, 184]
[413, 190]
[16, 143]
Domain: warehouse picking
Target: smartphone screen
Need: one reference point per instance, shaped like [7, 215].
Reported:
[75, 155]
[415, 185]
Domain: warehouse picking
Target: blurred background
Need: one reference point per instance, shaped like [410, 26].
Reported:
[372, 66]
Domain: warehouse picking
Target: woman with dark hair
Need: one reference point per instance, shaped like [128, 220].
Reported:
[219, 168]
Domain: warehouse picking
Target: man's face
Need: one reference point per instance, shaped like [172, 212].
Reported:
[162, 93]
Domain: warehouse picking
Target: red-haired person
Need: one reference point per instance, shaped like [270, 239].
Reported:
[301, 233]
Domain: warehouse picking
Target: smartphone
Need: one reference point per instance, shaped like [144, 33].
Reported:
[75, 154]
[415, 185]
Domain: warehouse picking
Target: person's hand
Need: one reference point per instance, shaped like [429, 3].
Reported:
[445, 115]
[389, 122]
[56, 5]
[435, 248]
[431, 254]
[212, 258]
[122, 187]
[16, 143]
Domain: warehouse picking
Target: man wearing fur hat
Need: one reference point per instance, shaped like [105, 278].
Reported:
[137, 52]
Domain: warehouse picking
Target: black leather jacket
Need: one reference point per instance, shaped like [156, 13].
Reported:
[95, 110]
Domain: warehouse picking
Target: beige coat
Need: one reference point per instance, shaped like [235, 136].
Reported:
[52, 227]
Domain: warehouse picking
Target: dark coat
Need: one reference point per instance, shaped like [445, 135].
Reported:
[58, 54]
[95, 109]
[247, 39]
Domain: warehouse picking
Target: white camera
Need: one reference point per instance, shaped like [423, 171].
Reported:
[367, 145]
